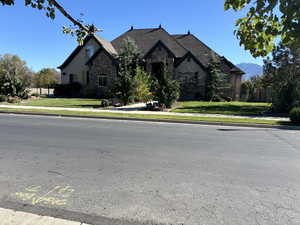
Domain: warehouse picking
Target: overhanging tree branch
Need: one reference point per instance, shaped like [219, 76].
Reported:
[68, 16]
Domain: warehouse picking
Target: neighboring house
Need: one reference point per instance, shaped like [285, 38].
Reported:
[95, 67]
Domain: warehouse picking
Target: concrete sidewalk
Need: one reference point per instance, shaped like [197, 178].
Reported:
[11, 217]
[130, 111]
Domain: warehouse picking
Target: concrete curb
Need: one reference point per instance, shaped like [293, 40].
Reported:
[230, 124]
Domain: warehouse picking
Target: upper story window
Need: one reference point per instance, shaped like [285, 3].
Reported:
[89, 50]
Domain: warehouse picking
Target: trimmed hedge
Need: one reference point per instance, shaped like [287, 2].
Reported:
[67, 90]
[295, 115]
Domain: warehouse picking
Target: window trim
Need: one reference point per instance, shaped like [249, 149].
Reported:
[102, 76]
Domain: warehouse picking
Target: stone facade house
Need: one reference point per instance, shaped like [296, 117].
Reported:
[94, 64]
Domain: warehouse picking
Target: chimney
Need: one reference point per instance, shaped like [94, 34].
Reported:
[189, 32]
[131, 28]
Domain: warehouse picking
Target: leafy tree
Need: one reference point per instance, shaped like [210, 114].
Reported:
[78, 28]
[166, 90]
[128, 59]
[265, 22]
[282, 73]
[142, 82]
[46, 78]
[13, 66]
[216, 82]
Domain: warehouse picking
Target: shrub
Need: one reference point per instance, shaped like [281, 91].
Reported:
[105, 103]
[3, 98]
[13, 100]
[295, 115]
[13, 86]
[89, 92]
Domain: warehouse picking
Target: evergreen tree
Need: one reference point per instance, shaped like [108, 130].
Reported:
[166, 90]
[217, 82]
[129, 59]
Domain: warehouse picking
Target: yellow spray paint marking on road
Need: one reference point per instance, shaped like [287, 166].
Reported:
[55, 196]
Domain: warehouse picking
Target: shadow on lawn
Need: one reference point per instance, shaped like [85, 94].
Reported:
[87, 106]
[229, 109]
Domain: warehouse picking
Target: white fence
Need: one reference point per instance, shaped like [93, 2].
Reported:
[42, 91]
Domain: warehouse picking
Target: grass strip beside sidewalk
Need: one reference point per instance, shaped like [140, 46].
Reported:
[147, 116]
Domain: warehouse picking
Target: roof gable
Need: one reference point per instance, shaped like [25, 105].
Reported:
[100, 41]
[159, 43]
[145, 39]
[189, 54]
[204, 53]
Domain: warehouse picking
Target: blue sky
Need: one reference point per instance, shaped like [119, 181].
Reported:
[29, 34]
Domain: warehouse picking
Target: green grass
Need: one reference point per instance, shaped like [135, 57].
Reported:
[63, 102]
[163, 117]
[226, 108]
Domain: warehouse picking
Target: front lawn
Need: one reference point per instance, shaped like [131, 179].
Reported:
[145, 116]
[226, 108]
[63, 102]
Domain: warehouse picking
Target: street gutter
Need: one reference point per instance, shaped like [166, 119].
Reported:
[286, 127]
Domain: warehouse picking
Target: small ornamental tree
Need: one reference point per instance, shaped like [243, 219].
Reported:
[166, 90]
[142, 89]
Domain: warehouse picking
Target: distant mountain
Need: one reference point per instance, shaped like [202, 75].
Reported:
[251, 70]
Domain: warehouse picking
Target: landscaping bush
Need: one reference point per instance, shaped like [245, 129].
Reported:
[295, 115]
[13, 86]
[105, 103]
[13, 100]
[3, 98]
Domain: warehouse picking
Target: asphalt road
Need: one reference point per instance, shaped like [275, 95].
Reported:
[155, 172]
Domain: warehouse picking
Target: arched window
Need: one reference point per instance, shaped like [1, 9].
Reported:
[89, 50]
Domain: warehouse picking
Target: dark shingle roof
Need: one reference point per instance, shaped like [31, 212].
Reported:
[106, 45]
[203, 53]
[145, 39]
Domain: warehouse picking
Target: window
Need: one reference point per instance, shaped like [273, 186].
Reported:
[64, 73]
[102, 80]
[71, 78]
[87, 77]
[188, 58]
[89, 50]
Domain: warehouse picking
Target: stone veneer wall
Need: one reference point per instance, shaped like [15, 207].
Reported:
[103, 64]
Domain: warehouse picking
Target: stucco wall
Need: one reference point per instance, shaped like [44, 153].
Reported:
[77, 66]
